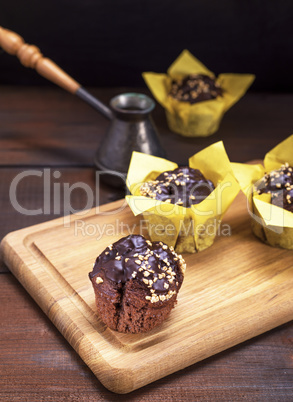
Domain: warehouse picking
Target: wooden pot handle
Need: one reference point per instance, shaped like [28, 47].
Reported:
[30, 56]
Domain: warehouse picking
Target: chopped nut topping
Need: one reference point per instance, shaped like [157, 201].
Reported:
[156, 272]
[154, 298]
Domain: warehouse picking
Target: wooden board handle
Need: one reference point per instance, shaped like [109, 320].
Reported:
[30, 56]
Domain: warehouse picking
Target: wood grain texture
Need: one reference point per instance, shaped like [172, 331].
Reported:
[37, 363]
[30, 195]
[232, 292]
[49, 127]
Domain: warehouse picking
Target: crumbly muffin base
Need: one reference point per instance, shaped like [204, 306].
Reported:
[124, 308]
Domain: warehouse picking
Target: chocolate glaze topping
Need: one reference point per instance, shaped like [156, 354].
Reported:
[155, 265]
[278, 183]
[182, 186]
[195, 88]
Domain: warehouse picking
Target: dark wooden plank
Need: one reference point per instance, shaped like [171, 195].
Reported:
[17, 207]
[46, 127]
[36, 363]
[49, 127]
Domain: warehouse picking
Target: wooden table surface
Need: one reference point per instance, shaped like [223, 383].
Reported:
[48, 128]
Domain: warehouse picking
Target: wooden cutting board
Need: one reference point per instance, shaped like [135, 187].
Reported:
[233, 291]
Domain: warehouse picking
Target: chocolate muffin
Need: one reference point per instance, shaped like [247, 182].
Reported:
[136, 283]
[183, 186]
[278, 183]
[195, 88]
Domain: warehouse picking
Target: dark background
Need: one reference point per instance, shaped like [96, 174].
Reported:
[111, 42]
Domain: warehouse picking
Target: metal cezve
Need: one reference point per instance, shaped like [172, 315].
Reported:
[131, 126]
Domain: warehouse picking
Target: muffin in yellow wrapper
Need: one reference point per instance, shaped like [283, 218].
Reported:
[271, 223]
[199, 119]
[186, 229]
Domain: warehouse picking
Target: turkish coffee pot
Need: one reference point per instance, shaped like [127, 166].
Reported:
[131, 126]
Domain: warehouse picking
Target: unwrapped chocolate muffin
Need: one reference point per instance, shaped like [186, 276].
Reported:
[136, 283]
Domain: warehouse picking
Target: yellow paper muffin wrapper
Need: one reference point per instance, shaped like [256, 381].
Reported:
[272, 224]
[186, 229]
[203, 118]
